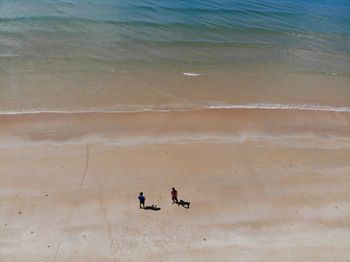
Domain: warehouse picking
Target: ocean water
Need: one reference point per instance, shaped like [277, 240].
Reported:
[132, 55]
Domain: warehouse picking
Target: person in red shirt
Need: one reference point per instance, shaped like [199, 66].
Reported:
[174, 195]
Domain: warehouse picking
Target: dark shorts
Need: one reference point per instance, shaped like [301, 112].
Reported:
[142, 202]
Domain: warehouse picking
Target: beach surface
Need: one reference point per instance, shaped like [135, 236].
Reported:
[264, 185]
[243, 106]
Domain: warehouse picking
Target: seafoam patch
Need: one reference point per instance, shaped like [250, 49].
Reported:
[333, 74]
[191, 74]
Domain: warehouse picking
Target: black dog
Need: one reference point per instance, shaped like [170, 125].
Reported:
[183, 203]
[152, 207]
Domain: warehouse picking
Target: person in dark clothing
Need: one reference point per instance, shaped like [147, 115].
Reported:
[174, 195]
[142, 200]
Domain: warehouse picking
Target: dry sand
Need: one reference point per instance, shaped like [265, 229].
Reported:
[264, 185]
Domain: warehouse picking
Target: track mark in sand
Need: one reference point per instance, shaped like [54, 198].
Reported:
[106, 219]
[75, 200]
[104, 213]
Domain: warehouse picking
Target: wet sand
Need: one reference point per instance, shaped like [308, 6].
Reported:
[264, 185]
[159, 89]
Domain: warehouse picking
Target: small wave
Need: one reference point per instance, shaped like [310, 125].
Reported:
[307, 107]
[259, 106]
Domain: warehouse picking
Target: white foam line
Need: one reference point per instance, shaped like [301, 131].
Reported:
[306, 107]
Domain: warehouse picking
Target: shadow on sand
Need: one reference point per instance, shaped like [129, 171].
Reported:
[152, 207]
[183, 203]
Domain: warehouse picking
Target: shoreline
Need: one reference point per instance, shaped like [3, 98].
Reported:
[261, 106]
[208, 123]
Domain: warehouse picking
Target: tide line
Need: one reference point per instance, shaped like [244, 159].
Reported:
[259, 106]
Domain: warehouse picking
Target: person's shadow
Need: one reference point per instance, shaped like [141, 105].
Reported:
[183, 203]
[152, 207]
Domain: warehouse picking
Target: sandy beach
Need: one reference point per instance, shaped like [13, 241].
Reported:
[264, 185]
[242, 106]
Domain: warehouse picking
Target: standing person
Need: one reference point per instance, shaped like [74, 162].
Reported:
[142, 200]
[174, 195]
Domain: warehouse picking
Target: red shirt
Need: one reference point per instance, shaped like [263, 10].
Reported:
[174, 193]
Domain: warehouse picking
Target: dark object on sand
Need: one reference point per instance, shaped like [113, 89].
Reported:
[184, 204]
[152, 207]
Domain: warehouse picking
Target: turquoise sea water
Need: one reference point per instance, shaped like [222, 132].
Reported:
[46, 42]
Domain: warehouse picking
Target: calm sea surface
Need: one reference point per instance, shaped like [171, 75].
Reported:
[112, 54]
